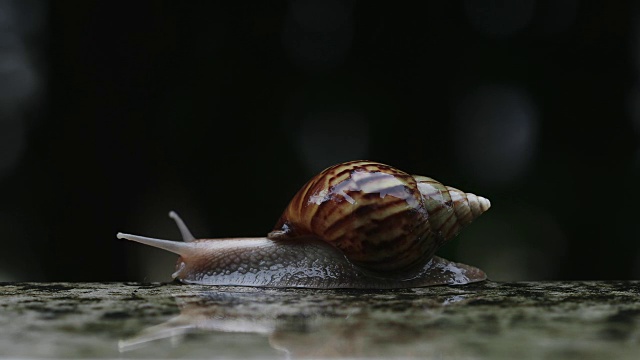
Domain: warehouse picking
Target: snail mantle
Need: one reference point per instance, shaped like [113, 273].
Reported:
[359, 224]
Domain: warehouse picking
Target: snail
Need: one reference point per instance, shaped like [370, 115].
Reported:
[358, 224]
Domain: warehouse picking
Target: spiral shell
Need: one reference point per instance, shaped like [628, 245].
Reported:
[383, 219]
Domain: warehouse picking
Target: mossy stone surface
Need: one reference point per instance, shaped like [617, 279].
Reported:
[523, 320]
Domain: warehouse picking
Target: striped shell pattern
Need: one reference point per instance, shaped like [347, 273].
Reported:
[382, 219]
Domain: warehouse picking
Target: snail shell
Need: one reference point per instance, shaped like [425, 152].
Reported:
[381, 218]
[358, 224]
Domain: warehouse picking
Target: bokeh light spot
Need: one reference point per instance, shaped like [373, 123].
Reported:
[495, 129]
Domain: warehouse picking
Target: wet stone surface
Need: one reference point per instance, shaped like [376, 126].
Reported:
[525, 320]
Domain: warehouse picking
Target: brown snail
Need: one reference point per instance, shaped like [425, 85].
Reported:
[358, 224]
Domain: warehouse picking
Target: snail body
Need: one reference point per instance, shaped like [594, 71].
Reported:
[358, 224]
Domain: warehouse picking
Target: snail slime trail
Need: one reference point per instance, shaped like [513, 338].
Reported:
[359, 224]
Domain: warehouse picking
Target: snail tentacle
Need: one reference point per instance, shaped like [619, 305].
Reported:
[184, 230]
[176, 247]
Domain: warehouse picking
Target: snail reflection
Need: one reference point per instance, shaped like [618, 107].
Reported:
[358, 224]
[208, 312]
[298, 325]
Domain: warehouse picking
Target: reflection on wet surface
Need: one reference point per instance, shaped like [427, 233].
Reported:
[294, 324]
[564, 320]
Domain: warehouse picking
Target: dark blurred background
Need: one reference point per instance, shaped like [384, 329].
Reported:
[113, 113]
